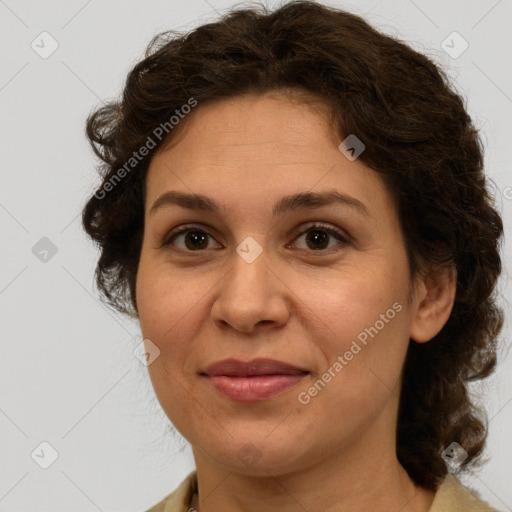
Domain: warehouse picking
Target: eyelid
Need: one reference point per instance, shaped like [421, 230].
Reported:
[183, 229]
[341, 235]
[329, 228]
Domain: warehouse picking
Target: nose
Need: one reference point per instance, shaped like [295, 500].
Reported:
[251, 296]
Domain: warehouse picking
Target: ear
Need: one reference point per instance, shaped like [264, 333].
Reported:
[433, 303]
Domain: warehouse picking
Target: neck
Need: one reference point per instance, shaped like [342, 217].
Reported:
[332, 486]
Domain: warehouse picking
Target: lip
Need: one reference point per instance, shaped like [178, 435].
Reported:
[261, 366]
[252, 381]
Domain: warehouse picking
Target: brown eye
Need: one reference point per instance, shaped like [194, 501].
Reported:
[196, 240]
[191, 239]
[318, 237]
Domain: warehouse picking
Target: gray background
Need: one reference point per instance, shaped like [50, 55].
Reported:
[68, 375]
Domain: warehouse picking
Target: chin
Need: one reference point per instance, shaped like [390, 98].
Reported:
[253, 458]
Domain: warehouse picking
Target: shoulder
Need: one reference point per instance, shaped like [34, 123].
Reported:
[179, 499]
[453, 496]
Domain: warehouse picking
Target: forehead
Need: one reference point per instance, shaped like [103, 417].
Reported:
[257, 118]
[256, 146]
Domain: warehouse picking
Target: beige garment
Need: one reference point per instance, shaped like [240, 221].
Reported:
[451, 496]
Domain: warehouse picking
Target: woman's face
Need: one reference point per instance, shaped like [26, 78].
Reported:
[279, 270]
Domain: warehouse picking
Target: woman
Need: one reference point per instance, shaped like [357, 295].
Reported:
[293, 205]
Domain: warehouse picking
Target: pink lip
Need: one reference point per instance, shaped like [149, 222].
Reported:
[252, 381]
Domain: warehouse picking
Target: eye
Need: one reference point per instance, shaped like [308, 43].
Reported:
[317, 237]
[193, 237]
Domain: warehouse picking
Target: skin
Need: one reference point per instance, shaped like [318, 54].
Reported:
[294, 303]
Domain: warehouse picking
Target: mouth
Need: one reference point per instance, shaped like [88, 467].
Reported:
[252, 381]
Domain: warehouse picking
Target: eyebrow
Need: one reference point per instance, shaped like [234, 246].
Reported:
[290, 203]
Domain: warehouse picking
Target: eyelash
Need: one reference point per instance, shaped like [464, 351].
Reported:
[343, 239]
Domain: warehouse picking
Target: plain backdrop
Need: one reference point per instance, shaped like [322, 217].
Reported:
[68, 375]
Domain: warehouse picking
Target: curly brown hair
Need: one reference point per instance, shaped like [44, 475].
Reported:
[418, 137]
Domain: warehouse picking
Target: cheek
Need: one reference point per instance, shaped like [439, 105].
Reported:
[167, 316]
[351, 301]
[161, 297]
[365, 340]
[171, 309]
[365, 321]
